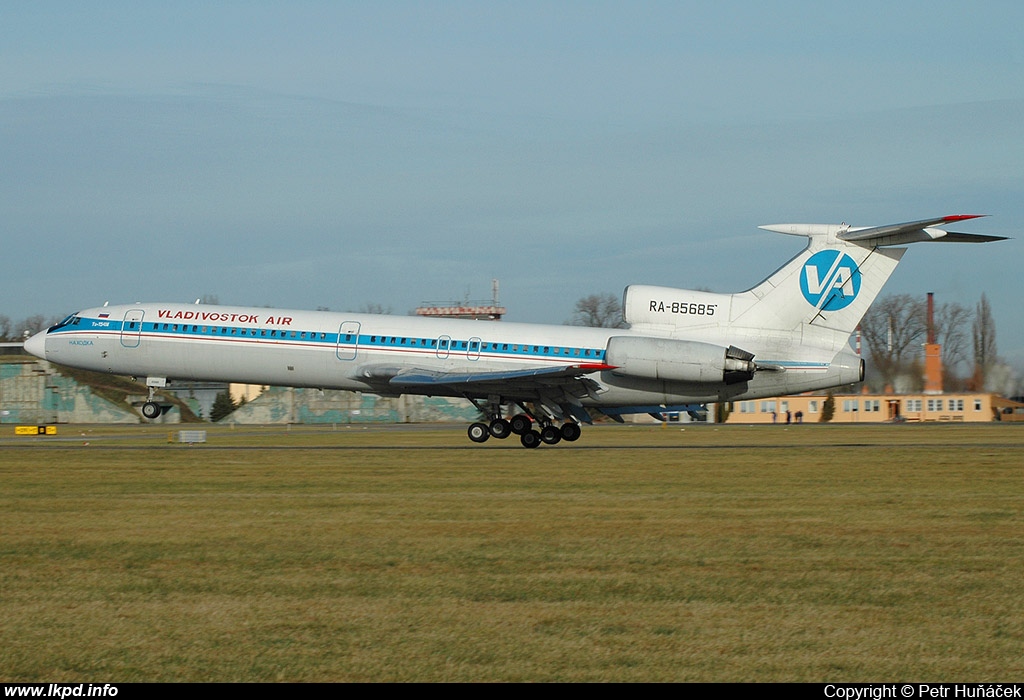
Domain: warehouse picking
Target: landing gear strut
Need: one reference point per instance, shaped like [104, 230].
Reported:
[521, 424]
[498, 427]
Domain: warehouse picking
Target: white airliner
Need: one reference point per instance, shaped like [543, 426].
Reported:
[789, 334]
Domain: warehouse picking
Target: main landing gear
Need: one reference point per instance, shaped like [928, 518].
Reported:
[522, 424]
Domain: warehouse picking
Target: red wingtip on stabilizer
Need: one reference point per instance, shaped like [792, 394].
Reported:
[963, 217]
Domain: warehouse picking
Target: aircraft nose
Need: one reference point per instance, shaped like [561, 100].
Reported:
[37, 345]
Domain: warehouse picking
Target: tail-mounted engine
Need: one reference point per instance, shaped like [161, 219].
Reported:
[679, 360]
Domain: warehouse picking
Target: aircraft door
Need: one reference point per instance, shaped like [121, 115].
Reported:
[444, 344]
[473, 350]
[348, 340]
[131, 328]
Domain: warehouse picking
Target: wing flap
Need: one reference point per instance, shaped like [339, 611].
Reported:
[542, 377]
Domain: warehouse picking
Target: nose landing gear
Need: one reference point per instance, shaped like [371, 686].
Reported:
[151, 409]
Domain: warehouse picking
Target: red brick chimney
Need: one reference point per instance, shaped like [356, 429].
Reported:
[932, 354]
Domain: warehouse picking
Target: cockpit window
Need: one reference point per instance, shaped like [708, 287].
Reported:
[71, 320]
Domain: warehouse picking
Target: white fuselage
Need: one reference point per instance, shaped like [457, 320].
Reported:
[346, 350]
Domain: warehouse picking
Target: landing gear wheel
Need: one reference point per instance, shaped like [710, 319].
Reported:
[500, 428]
[478, 432]
[531, 439]
[151, 410]
[571, 432]
[520, 423]
[551, 434]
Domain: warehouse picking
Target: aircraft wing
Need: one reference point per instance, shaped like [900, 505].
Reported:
[560, 388]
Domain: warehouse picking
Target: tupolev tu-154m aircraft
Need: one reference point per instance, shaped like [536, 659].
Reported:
[789, 334]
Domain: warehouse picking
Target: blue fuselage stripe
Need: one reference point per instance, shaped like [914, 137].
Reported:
[340, 341]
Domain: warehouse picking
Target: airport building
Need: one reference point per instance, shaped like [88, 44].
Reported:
[932, 404]
[880, 408]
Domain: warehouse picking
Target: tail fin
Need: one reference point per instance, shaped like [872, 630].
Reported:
[813, 302]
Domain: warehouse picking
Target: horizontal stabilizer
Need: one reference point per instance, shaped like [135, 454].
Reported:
[892, 234]
[877, 232]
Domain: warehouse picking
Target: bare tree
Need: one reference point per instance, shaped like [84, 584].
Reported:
[372, 307]
[598, 311]
[15, 331]
[33, 324]
[984, 337]
[951, 323]
[893, 329]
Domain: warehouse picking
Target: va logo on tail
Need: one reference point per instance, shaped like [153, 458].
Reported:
[830, 280]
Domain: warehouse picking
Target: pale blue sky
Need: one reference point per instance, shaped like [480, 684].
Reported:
[333, 154]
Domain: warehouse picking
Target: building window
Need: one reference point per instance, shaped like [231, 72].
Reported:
[977, 404]
[849, 405]
[747, 407]
[956, 405]
[872, 405]
[767, 407]
[812, 406]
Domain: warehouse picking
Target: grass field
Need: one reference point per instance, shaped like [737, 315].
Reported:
[769, 553]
